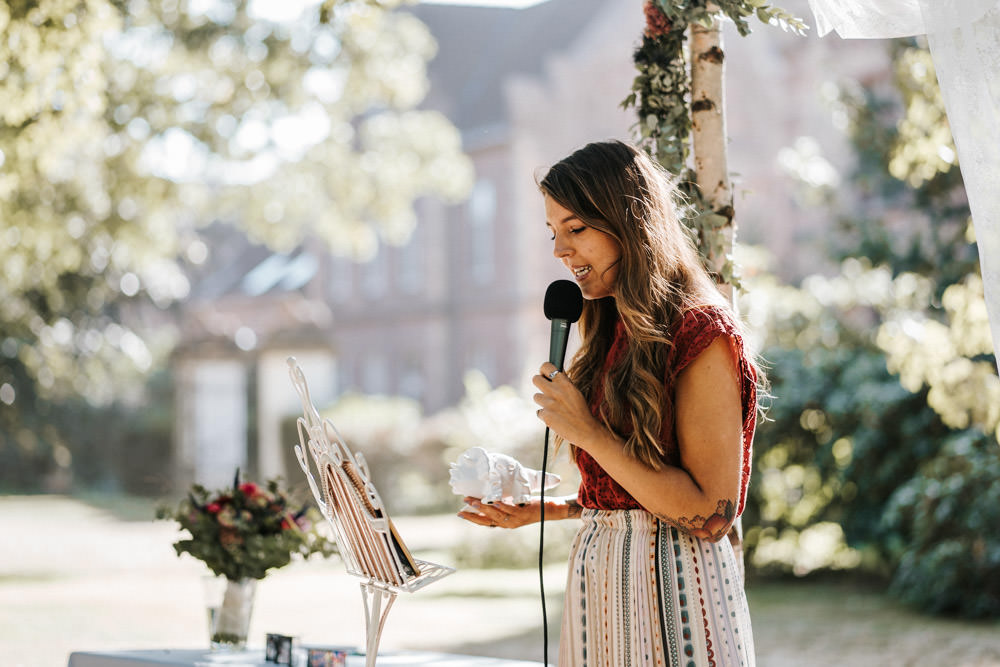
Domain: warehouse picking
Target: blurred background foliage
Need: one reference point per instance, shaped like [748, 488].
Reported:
[880, 453]
[127, 126]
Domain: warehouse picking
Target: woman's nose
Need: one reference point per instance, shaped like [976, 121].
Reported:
[560, 248]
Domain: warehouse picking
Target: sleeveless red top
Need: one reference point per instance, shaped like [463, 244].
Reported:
[697, 330]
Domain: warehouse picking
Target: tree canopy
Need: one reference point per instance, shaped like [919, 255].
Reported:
[128, 125]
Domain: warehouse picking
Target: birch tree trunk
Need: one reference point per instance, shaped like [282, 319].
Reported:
[708, 139]
[708, 133]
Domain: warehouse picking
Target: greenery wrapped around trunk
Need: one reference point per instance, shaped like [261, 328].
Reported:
[679, 106]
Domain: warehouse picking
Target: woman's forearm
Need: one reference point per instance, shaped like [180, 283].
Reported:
[670, 493]
[700, 494]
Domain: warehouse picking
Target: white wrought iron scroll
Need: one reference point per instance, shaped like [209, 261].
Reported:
[366, 538]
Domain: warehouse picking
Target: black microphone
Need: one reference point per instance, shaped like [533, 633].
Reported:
[563, 305]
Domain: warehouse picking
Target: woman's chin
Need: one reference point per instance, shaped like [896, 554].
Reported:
[595, 293]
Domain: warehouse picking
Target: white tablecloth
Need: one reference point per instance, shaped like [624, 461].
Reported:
[255, 658]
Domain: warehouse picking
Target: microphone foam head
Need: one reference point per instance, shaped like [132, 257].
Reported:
[563, 301]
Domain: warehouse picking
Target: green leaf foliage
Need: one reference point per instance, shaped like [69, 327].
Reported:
[885, 416]
[951, 559]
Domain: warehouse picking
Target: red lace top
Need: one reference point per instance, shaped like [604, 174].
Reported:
[697, 329]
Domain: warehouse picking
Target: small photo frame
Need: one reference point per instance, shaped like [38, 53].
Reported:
[326, 657]
[278, 649]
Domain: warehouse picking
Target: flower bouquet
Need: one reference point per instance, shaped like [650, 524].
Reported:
[240, 534]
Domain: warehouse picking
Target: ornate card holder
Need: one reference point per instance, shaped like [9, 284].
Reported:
[367, 540]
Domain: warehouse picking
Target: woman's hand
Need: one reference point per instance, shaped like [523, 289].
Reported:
[505, 515]
[502, 515]
[563, 408]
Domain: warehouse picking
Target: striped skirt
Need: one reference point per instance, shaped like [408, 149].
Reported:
[641, 593]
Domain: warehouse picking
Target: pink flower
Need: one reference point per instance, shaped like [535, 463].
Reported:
[227, 517]
[657, 24]
[229, 538]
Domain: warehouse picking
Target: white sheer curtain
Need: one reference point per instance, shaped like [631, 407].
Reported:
[964, 37]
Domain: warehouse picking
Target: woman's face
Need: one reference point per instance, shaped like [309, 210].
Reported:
[590, 254]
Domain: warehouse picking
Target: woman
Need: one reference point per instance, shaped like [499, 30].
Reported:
[659, 405]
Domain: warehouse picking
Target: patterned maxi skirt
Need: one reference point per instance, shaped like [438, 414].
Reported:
[641, 593]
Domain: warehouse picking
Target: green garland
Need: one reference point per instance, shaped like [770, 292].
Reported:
[661, 91]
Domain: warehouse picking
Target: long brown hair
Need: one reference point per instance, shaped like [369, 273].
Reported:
[617, 189]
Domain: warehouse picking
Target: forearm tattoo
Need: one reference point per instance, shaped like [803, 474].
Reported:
[574, 509]
[714, 527]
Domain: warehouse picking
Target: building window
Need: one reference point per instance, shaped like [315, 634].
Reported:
[374, 283]
[410, 274]
[484, 361]
[375, 375]
[345, 375]
[482, 219]
[411, 379]
[341, 279]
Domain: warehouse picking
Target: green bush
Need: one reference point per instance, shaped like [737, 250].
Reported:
[944, 532]
[69, 445]
[884, 375]
[846, 443]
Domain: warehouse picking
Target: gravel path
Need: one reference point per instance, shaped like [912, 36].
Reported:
[73, 577]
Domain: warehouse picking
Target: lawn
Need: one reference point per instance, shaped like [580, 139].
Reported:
[99, 574]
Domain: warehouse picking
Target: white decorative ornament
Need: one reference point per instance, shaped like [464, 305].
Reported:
[494, 477]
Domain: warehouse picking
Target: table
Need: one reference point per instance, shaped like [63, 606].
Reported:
[255, 658]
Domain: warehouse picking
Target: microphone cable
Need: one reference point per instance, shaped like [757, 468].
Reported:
[541, 548]
[563, 306]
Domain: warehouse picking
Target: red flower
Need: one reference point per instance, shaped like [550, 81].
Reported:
[286, 524]
[657, 23]
[249, 489]
[213, 508]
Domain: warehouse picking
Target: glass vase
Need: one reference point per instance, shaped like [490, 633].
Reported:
[230, 605]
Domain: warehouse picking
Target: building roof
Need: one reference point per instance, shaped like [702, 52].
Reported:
[480, 47]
